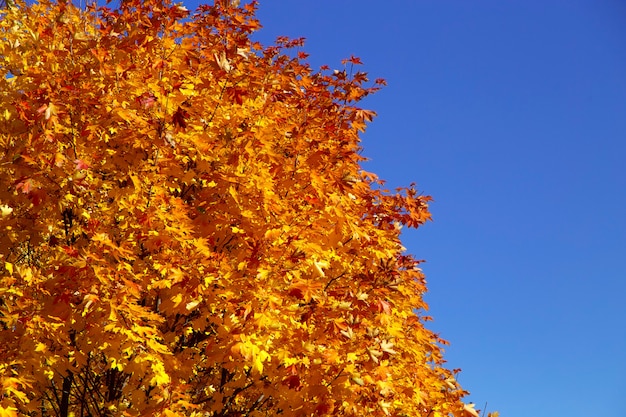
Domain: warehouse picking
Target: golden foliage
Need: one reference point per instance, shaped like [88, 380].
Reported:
[185, 228]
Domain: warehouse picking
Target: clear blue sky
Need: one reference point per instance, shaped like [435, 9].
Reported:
[512, 115]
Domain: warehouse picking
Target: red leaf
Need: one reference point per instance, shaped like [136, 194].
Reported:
[80, 164]
[25, 186]
[179, 118]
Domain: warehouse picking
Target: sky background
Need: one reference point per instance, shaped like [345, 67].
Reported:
[512, 115]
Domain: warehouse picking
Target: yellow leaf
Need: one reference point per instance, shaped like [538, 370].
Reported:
[358, 381]
[136, 182]
[222, 61]
[470, 409]
[234, 194]
[318, 265]
[273, 234]
[9, 267]
[386, 346]
[170, 413]
[5, 210]
[187, 89]
[160, 377]
[115, 364]
[16, 393]
[260, 357]
[8, 411]
[51, 110]
[177, 299]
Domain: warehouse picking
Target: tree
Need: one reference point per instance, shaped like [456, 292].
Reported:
[186, 229]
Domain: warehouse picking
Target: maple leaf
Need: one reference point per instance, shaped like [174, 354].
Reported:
[146, 100]
[180, 117]
[26, 186]
[469, 409]
[352, 60]
[222, 61]
[5, 210]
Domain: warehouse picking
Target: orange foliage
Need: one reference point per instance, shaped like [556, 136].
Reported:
[185, 228]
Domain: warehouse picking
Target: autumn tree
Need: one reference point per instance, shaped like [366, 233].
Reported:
[185, 228]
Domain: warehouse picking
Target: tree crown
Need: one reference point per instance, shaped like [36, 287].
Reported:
[186, 228]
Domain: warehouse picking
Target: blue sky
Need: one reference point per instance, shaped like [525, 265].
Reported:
[512, 115]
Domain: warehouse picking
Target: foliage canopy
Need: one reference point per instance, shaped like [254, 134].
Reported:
[185, 228]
